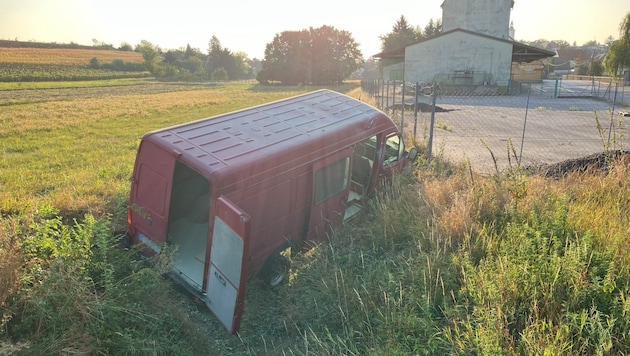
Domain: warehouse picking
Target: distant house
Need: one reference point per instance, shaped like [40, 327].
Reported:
[474, 48]
[566, 59]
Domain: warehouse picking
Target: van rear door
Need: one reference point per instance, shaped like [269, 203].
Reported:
[228, 264]
[331, 185]
[150, 191]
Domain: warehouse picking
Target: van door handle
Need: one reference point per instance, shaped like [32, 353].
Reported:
[220, 278]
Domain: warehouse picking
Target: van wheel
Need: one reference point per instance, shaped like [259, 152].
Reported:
[277, 271]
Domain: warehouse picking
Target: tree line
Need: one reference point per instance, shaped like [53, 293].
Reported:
[315, 56]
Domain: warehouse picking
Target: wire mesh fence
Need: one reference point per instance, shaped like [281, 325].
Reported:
[531, 124]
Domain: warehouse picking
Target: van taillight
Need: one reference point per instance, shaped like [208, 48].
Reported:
[129, 217]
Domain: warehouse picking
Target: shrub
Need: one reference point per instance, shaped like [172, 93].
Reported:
[95, 63]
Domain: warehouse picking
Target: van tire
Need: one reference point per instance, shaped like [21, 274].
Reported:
[276, 271]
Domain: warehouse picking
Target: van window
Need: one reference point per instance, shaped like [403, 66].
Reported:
[394, 150]
[332, 179]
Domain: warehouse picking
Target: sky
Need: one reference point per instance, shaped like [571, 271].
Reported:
[247, 26]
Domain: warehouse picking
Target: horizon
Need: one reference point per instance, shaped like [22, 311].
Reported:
[169, 27]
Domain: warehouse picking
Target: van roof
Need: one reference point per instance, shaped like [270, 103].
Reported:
[265, 137]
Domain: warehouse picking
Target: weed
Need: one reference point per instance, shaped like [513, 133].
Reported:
[443, 125]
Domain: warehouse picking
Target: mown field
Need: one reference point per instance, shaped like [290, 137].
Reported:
[444, 262]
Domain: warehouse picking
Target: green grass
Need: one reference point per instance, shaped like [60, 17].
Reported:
[77, 153]
[443, 262]
[20, 72]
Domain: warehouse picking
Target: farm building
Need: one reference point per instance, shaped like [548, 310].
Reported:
[476, 47]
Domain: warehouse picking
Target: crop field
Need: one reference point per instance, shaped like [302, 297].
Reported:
[55, 64]
[59, 56]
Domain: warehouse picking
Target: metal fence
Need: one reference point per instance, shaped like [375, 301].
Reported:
[494, 128]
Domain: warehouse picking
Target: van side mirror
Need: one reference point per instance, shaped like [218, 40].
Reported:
[413, 154]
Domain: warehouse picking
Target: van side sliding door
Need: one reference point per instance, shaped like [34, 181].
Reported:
[331, 185]
[228, 264]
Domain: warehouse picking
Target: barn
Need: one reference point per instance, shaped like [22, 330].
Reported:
[476, 47]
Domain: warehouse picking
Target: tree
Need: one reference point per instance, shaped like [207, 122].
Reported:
[335, 55]
[401, 36]
[596, 68]
[287, 58]
[220, 74]
[125, 47]
[151, 54]
[591, 43]
[235, 64]
[618, 56]
[432, 29]
[318, 55]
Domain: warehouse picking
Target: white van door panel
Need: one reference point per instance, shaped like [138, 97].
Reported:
[228, 264]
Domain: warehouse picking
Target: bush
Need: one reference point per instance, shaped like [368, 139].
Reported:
[95, 63]
[220, 74]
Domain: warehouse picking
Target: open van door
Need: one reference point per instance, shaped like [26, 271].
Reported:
[228, 264]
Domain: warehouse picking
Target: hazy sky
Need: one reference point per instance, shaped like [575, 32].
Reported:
[247, 26]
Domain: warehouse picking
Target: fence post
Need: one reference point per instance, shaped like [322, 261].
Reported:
[393, 98]
[430, 144]
[612, 112]
[402, 110]
[555, 90]
[520, 155]
[387, 95]
[415, 111]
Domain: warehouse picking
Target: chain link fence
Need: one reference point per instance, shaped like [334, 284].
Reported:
[529, 124]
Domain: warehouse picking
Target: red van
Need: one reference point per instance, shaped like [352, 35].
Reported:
[232, 192]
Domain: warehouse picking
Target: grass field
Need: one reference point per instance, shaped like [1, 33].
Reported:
[444, 262]
[91, 135]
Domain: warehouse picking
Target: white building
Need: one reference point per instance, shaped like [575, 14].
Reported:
[474, 48]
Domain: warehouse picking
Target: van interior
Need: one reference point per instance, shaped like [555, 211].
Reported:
[362, 168]
[188, 223]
